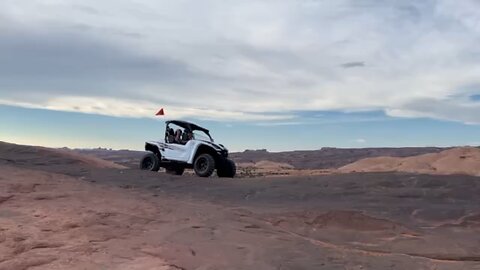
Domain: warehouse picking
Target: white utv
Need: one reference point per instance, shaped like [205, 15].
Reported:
[188, 146]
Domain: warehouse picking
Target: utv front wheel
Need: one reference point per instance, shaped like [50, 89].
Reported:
[204, 165]
[150, 162]
[227, 169]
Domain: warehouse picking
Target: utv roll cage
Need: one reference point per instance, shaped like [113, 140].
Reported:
[185, 125]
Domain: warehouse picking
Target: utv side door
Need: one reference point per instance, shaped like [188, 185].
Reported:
[178, 152]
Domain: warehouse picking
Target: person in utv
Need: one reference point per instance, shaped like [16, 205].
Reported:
[183, 137]
[178, 136]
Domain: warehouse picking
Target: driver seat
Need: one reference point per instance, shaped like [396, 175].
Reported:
[170, 136]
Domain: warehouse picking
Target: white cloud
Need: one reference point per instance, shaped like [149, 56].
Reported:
[130, 108]
[360, 141]
[242, 60]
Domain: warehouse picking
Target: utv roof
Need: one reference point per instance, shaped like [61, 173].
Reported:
[187, 125]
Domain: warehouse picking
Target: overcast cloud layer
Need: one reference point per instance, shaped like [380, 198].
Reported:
[242, 60]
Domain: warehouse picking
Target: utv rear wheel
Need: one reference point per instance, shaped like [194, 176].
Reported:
[204, 165]
[177, 170]
[150, 162]
[227, 169]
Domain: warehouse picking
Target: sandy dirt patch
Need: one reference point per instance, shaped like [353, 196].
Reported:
[464, 160]
[52, 221]
[271, 168]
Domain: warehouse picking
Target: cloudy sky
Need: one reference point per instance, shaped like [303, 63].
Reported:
[260, 73]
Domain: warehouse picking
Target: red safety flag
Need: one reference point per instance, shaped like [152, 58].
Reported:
[161, 112]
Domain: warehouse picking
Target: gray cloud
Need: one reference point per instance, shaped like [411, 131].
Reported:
[353, 64]
[86, 9]
[59, 64]
[445, 109]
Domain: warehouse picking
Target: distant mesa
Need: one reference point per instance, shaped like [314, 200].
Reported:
[328, 148]
[256, 151]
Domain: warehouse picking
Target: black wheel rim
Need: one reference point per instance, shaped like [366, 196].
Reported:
[202, 164]
[147, 164]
